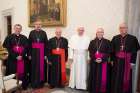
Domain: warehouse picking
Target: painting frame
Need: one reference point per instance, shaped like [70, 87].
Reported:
[48, 21]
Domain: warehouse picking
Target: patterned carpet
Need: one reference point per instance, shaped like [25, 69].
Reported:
[55, 90]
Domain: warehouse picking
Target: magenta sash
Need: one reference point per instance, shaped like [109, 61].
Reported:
[104, 71]
[127, 57]
[98, 55]
[40, 46]
[20, 63]
[104, 77]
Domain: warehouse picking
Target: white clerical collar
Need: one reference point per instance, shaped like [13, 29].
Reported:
[17, 34]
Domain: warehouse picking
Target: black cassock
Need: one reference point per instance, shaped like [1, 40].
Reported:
[58, 56]
[17, 46]
[124, 53]
[99, 75]
[38, 51]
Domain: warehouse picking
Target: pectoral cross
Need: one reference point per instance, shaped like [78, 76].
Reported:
[38, 39]
[97, 52]
[57, 49]
[122, 47]
[17, 47]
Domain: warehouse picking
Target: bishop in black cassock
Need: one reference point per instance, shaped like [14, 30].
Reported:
[38, 55]
[58, 54]
[17, 46]
[125, 47]
[99, 75]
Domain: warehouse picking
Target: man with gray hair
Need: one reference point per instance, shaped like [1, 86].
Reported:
[99, 75]
[125, 47]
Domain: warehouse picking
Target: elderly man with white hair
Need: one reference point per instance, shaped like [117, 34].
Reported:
[58, 47]
[99, 76]
[78, 58]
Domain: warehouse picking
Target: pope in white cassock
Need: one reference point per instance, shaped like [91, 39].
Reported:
[78, 57]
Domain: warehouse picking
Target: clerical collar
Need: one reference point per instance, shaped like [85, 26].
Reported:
[57, 37]
[123, 36]
[98, 39]
[17, 35]
[37, 29]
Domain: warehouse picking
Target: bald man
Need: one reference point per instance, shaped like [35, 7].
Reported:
[99, 76]
[78, 58]
[125, 47]
[58, 47]
[38, 55]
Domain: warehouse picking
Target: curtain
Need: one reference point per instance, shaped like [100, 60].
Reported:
[133, 17]
[133, 21]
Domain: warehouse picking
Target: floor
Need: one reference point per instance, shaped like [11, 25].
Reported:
[55, 90]
[66, 90]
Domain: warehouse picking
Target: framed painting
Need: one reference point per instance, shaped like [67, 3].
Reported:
[49, 12]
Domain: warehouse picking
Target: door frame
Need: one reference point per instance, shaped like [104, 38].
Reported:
[5, 13]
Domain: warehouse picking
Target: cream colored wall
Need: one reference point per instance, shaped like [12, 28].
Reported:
[88, 13]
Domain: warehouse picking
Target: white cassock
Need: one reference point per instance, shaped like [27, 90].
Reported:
[79, 53]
